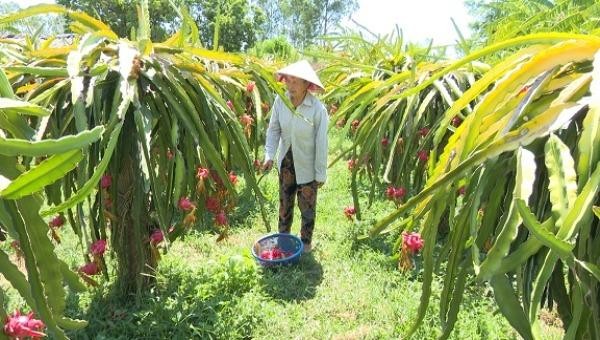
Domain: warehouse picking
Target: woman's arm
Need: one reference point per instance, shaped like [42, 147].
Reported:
[273, 135]
[321, 145]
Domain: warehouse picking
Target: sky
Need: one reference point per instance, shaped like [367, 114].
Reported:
[419, 20]
[27, 3]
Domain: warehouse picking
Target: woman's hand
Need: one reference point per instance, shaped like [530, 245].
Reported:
[267, 165]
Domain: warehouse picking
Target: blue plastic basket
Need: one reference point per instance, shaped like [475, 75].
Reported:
[285, 242]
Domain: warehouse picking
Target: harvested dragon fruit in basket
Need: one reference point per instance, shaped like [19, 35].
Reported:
[274, 254]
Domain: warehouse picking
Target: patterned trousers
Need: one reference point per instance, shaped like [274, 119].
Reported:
[307, 200]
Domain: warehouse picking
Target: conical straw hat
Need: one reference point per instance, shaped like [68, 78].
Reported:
[302, 70]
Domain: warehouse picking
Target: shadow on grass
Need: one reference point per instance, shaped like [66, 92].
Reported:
[109, 316]
[217, 302]
[293, 283]
[242, 216]
[357, 233]
[376, 243]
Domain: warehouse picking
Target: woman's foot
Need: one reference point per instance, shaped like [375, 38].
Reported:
[307, 248]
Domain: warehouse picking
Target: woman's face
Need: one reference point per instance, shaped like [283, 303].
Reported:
[296, 86]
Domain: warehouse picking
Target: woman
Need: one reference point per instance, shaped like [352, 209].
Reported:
[301, 138]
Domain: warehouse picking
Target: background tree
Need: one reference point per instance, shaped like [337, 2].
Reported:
[274, 27]
[121, 15]
[44, 25]
[307, 19]
[275, 48]
[238, 22]
[302, 21]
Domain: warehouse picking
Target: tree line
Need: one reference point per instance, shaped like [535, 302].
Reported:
[240, 23]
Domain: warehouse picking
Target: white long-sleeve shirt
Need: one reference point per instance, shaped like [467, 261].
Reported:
[307, 135]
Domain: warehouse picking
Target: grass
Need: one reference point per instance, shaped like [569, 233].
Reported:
[345, 289]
